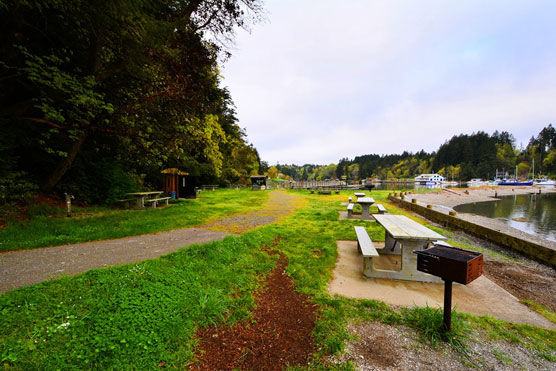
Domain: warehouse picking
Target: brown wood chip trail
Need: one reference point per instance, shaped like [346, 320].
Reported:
[280, 335]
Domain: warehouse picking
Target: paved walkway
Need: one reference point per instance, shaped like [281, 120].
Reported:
[27, 267]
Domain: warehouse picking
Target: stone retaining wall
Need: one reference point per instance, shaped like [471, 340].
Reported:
[535, 251]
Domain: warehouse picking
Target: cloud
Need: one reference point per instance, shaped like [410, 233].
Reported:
[325, 80]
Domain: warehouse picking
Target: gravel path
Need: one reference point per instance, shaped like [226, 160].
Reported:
[279, 205]
[27, 267]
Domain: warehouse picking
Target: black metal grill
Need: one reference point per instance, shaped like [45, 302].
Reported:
[451, 263]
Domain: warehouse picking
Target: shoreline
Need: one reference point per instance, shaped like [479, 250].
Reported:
[444, 201]
[451, 197]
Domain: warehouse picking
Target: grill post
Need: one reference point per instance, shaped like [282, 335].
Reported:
[447, 305]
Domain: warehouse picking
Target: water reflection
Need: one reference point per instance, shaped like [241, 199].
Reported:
[534, 214]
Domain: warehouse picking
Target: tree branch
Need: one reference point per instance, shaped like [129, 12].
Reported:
[42, 121]
[208, 21]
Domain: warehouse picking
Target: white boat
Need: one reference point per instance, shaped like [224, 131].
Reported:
[476, 182]
[429, 179]
[544, 182]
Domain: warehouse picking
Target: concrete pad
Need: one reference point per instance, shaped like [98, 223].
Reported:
[480, 297]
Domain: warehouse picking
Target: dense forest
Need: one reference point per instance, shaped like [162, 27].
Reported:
[478, 155]
[97, 97]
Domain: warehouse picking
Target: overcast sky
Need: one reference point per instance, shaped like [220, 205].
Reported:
[321, 80]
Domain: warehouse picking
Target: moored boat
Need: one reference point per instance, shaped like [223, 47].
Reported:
[429, 179]
[515, 182]
[476, 182]
[544, 182]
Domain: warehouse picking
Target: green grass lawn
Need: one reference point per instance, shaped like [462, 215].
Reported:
[137, 316]
[50, 227]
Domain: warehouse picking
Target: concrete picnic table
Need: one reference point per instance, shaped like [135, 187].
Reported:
[365, 203]
[359, 194]
[404, 235]
[140, 196]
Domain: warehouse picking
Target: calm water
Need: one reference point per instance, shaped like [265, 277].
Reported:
[538, 214]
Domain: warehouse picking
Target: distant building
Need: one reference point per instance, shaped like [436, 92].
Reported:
[429, 179]
[258, 182]
[177, 184]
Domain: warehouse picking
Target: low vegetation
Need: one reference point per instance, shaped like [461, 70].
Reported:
[144, 315]
[49, 225]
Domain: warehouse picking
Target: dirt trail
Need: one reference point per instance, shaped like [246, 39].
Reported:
[278, 334]
[27, 267]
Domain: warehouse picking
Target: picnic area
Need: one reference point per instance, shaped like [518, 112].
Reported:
[204, 185]
[282, 282]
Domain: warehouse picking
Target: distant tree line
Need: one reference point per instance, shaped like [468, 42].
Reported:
[97, 97]
[463, 157]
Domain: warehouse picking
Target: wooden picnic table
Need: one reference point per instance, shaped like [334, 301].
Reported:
[402, 236]
[365, 203]
[141, 196]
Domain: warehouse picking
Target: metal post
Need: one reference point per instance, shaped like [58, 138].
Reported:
[447, 305]
[68, 204]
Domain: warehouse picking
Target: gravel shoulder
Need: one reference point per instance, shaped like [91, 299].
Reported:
[390, 348]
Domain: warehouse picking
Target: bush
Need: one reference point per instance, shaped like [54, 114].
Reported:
[429, 324]
[101, 182]
[15, 187]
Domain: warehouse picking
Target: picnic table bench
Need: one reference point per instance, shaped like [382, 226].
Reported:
[441, 243]
[366, 248]
[140, 197]
[155, 201]
[126, 200]
[381, 209]
[350, 210]
[364, 244]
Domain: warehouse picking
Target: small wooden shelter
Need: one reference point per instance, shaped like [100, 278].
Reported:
[258, 182]
[174, 182]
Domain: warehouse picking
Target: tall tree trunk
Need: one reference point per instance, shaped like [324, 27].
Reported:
[65, 163]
